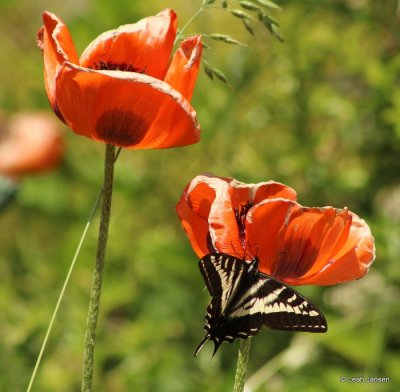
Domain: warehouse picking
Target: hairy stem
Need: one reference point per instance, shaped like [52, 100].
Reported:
[95, 293]
[241, 367]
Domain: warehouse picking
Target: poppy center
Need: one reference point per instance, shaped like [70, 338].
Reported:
[111, 66]
[240, 215]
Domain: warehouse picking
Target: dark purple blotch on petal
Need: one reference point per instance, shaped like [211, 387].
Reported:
[121, 128]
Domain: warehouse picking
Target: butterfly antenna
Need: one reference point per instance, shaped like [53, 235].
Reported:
[200, 346]
[251, 255]
[235, 250]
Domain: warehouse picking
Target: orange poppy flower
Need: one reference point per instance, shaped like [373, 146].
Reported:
[32, 142]
[294, 244]
[124, 89]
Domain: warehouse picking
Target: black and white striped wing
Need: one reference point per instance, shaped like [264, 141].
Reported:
[271, 303]
[243, 300]
[222, 274]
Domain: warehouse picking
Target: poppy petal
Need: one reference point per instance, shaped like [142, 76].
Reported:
[327, 239]
[208, 198]
[310, 238]
[352, 261]
[143, 47]
[223, 226]
[273, 190]
[265, 227]
[184, 67]
[224, 230]
[242, 193]
[193, 210]
[32, 144]
[56, 43]
[309, 245]
[126, 109]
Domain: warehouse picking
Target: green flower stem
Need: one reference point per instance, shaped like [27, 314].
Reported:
[95, 293]
[241, 367]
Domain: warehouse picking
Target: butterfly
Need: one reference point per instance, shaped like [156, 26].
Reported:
[244, 299]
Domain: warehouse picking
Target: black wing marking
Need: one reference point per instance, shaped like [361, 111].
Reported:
[243, 300]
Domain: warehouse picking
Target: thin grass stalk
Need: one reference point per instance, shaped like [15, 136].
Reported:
[62, 292]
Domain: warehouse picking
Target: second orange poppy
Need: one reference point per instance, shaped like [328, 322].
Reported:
[294, 244]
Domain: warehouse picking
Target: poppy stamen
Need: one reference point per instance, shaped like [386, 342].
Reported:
[111, 66]
[240, 215]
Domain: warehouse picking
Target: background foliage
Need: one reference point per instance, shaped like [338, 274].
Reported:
[320, 112]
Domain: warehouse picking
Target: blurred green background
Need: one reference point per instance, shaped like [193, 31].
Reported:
[320, 113]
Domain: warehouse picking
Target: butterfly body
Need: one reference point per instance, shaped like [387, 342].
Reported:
[244, 299]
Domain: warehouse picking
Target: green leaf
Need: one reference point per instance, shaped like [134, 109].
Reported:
[269, 5]
[224, 4]
[207, 2]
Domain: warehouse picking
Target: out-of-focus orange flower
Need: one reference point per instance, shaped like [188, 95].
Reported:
[124, 89]
[30, 143]
[294, 244]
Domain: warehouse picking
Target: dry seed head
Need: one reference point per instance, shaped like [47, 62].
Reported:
[269, 5]
[240, 14]
[247, 5]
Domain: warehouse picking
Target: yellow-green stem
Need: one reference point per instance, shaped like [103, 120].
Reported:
[95, 293]
[241, 367]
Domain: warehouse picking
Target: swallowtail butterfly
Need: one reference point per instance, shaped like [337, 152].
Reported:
[244, 299]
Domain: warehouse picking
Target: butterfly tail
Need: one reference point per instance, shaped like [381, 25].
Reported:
[200, 346]
[217, 343]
